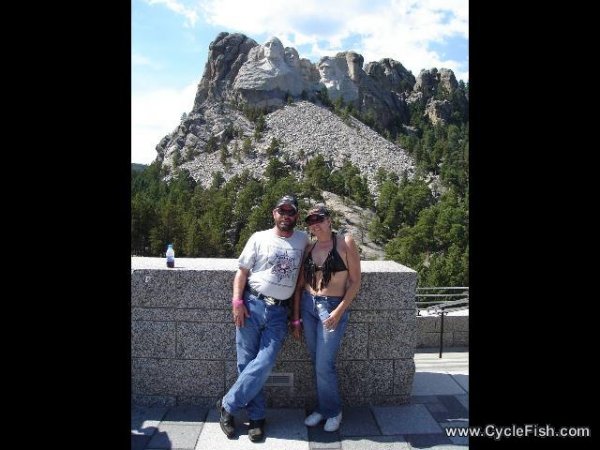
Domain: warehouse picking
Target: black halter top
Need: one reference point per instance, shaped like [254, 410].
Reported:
[332, 264]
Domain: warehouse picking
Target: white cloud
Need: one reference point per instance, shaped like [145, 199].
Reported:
[398, 29]
[155, 114]
[191, 16]
[141, 60]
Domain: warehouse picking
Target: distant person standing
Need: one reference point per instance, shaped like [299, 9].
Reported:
[263, 288]
[330, 280]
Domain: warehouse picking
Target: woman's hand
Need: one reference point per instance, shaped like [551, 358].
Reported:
[334, 318]
[296, 328]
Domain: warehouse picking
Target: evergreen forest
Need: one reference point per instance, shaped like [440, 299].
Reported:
[420, 223]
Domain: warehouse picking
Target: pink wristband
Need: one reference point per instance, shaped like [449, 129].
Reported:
[296, 322]
[237, 302]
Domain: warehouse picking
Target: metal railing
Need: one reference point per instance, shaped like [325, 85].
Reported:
[442, 294]
[451, 299]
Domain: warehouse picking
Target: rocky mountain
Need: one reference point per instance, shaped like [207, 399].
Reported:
[350, 218]
[257, 101]
[303, 130]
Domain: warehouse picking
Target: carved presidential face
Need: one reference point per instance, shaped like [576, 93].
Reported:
[327, 70]
[273, 49]
[354, 62]
[291, 57]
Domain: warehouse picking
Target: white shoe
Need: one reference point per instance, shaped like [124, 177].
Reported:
[333, 423]
[313, 419]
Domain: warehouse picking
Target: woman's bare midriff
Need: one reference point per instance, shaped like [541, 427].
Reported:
[336, 286]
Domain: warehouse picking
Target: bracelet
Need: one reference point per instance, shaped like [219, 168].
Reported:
[296, 322]
[237, 302]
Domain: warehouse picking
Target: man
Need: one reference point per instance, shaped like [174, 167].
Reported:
[263, 288]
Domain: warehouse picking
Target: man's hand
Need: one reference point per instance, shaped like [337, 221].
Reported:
[239, 315]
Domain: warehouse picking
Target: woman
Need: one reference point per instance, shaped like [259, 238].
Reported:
[330, 277]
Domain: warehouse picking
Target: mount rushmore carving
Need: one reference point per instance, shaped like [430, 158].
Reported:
[240, 70]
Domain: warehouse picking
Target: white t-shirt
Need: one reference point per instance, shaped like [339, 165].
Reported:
[274, 262]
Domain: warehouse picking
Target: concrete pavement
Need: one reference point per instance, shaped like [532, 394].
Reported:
[440, 399]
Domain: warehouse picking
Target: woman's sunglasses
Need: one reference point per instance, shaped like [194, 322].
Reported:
[311, 220]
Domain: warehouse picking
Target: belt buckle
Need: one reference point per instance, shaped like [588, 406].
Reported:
[270, 301]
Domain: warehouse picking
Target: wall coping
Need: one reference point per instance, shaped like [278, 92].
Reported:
[230, 264]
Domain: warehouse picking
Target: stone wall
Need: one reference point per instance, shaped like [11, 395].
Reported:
[183, 338]
[456, 331]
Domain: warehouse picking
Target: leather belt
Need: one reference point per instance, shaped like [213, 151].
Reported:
[266, 299]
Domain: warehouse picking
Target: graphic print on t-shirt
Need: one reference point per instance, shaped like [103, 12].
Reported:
[283, 265]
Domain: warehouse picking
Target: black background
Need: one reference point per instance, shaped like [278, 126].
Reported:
[532, 293]
[532, 196]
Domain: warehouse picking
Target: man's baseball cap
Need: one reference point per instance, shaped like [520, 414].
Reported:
[288, 200]
[318, 210]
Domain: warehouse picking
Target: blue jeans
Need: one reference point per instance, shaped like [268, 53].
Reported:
[323, 347]
[258, 342]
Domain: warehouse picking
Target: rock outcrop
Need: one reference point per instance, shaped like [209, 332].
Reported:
[226, 55]
[241, 74]
[432, 83]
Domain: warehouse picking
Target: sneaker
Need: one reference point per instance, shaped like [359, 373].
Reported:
[225, 420]
[256, 432]
[333, 423]
[313, 419]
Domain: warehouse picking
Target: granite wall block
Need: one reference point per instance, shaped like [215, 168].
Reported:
[183, 337]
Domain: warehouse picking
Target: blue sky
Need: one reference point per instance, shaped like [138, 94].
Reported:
[170, 39]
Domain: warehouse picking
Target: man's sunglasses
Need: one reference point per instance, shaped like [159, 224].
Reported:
[286, 212]
[311, 220]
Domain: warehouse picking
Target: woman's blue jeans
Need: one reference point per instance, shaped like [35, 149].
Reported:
[258, 342]
[323, 347]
